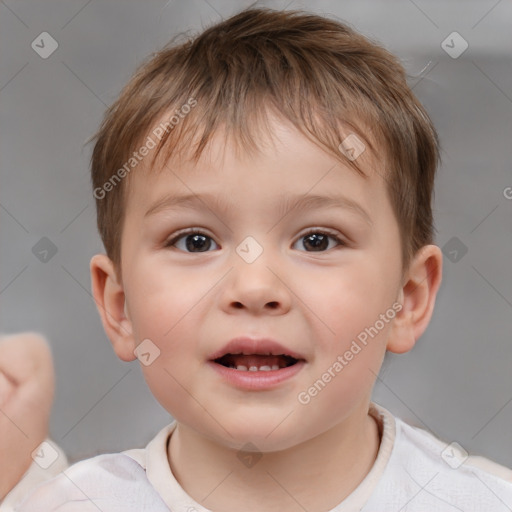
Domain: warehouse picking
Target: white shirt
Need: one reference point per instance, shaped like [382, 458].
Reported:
[414, 472]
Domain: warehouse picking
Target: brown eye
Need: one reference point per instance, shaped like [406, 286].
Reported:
[193, 242]
[319, 241]
[199, 243]
[316, 241]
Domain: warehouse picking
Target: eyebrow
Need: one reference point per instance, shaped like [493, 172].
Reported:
[287, 204]
[313, 201]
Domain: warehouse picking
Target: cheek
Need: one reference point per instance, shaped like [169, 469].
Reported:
[162, 302]
[166, 316]
[345, 303]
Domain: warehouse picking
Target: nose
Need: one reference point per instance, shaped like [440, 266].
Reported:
[257, 288]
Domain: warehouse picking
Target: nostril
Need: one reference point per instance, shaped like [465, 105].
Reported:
[269, 305]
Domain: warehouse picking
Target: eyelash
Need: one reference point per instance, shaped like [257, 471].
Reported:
[194, 231]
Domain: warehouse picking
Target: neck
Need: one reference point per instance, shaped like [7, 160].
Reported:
[315, 475]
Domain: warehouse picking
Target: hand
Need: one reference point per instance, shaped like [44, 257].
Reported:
[26, 395]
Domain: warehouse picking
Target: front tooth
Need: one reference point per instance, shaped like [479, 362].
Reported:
[264, 368]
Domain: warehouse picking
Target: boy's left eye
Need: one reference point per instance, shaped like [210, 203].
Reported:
[318, 240]
[196, 241]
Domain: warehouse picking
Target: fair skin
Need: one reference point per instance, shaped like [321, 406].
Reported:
[190, 302]
[26, 395]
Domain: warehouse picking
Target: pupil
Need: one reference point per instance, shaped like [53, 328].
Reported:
[318, 241]
[196, 242]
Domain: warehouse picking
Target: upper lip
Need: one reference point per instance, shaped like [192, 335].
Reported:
[259, 346]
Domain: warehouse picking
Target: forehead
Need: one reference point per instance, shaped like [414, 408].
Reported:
[287, 161]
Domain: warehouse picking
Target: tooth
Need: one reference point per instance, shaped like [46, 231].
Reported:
[242, 367]
[253, 368]
[275, 367]
[265, 368]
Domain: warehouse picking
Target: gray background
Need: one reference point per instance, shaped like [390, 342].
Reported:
[456, 382]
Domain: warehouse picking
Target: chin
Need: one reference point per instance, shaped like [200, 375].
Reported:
[267, 434]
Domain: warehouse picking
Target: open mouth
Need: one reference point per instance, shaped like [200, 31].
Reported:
[256, 362]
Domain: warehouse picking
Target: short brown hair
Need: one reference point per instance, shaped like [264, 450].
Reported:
[313, 71]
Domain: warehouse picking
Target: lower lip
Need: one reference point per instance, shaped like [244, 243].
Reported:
[258, 380]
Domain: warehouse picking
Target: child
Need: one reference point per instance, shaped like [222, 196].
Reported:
[26, 395]
[264, 196]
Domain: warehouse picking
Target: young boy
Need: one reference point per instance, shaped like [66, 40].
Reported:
[264, 196]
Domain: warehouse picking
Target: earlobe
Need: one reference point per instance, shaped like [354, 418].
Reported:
[110, 300]
[417, 296]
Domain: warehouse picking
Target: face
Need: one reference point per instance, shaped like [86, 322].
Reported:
[251, 254]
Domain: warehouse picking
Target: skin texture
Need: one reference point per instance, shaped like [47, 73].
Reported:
[190, 304]
[26, 395]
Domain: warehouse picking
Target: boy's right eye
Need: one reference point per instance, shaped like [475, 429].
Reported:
[191, 241]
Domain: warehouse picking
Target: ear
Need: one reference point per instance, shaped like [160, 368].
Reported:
[109, 296]
[417, 296]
